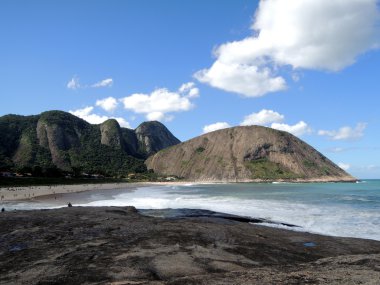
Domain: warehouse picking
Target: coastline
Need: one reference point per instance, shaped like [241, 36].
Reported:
[31, 192]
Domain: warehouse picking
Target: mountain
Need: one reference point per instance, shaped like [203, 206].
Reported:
[154, 136]
[60, 140]
[243, 154]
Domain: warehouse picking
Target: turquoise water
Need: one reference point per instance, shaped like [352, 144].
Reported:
[338, 209]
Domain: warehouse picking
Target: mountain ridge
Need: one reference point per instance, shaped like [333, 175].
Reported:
[60, 140]
[246, 154]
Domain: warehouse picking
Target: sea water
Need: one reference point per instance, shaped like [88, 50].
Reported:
[337, 209]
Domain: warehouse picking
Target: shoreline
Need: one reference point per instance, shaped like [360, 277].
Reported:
[31, 192]
[27, 193]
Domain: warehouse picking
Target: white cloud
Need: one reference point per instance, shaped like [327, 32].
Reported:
[216, 126]
[298, 129]
[274, 120]
[188, 89]
[345, 133]
[159, 116]
[263, 117]
[305, 34]
[244, 79]
[344, 166]
[73, 83]
[87, 115]
[193, 93]
[157, 104]
[155, 116]
[109, 104]
[103, 83]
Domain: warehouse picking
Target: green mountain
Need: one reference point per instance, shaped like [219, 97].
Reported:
[59, 141]
[243, 154]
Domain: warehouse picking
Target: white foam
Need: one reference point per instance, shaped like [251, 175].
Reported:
[329, 219]
[324, 219]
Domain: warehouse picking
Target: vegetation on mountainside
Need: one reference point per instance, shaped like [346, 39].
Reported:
[265, 169]
[57, 143]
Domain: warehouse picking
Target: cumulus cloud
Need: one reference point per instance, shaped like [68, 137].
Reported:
[304, 34]
[263, 118]
[160, 102]
[189, 90]
[244, 79]
[216, 126]
[109, 104]
[87, 115]
[345, 133]
[73, 83]
[159, 116]
[270, 118]
[103, 83]
[344, 166]
[298, 129]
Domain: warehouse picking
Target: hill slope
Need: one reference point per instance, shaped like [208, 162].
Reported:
[59, 140]
[244, 154]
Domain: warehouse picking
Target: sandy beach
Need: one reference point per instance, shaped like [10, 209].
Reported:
[32, 192]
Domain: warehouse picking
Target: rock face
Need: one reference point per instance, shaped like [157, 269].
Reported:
[57, 139]
[114, 245]
[243, 154]
[154, 136]
[111, 134]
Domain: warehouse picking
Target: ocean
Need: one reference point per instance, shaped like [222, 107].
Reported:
[336, 209]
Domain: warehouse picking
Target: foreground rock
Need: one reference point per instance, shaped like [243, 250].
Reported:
[112, 245]
[243, 154]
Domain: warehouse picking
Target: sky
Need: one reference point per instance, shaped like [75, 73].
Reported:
[308, 67]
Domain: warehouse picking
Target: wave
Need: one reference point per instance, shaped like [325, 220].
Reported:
[325, 209]
[334, 220]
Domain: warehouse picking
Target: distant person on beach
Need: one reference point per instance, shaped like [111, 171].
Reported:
[69, 205]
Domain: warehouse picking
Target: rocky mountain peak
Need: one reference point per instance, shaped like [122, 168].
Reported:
[154, 136]
[243, 154]
[111, 133]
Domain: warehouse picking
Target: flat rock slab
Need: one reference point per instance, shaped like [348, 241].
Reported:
[117, 245]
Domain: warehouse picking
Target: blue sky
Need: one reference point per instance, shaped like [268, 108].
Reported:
[311, 68]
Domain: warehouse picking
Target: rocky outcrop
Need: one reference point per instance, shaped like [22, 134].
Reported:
[110, 133]
[117, 245]
[154, 136]
[243, 154]
[57, 133]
